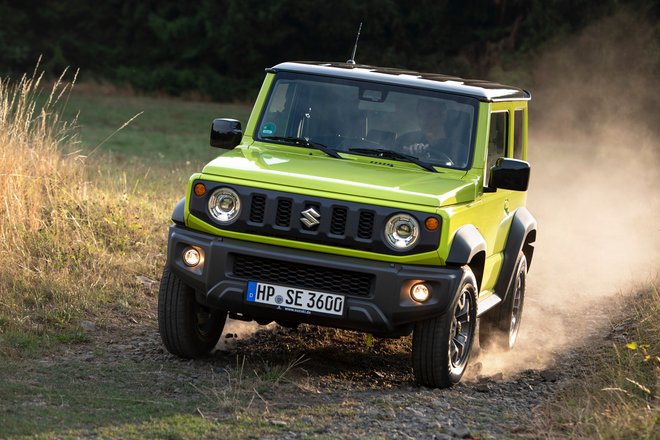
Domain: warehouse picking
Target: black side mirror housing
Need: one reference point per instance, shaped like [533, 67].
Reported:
[509, 174]
[226, 133]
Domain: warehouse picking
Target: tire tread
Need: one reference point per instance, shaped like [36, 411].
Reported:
[175, 322]
[430, 364]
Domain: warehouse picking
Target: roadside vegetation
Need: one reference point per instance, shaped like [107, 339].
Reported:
[85, 208]
[614, 394]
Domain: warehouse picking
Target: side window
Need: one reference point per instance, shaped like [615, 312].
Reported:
[497, 138]
[276, 117]
[518, 134]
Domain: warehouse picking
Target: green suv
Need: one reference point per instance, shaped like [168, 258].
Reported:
[363, 198]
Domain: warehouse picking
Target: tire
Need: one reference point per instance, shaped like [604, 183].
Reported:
[441, 345]
[499, 327]
[187, 328]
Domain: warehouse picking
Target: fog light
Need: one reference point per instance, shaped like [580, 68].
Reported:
[420, 292]
[191, 257]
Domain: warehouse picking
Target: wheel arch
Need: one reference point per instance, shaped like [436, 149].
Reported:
[522, 235]
[178, 214]
[469, 248]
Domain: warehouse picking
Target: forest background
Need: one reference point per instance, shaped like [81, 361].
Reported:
[217, 50]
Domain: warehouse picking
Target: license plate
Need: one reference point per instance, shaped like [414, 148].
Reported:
[292, 299]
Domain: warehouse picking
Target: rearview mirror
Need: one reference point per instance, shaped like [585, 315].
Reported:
[509, 174]
[226, 133]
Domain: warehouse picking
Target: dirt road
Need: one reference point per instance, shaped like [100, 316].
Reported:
[314, 382]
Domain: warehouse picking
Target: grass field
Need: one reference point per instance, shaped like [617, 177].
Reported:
[165, 130]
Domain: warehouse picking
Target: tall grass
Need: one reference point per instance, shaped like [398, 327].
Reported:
[74, 234]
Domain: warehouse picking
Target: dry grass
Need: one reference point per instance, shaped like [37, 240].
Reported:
[615, 396]
[74, 233]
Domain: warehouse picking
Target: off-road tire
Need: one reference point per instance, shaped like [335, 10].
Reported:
[187, 328]
[499, 327]
[441, 345]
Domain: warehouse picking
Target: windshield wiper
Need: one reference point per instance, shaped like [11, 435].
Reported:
[391, 154]
[302, 142]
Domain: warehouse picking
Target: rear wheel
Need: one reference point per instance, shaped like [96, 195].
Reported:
[441, 345]
[188, 329]
[499, 327]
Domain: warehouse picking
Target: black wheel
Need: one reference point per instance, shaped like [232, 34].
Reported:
[499, 327]
[441, 345]
[187, 328]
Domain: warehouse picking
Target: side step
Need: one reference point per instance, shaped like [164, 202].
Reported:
[487, 303]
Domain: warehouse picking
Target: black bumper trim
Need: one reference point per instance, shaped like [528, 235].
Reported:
[388, 310]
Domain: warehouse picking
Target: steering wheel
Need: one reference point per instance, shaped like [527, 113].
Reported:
[424, 152]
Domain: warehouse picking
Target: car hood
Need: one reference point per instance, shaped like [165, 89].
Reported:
[356, 176]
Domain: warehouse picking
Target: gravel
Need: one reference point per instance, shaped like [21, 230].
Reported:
[341, 387]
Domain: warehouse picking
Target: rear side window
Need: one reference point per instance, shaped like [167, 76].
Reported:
[518, 134]
[497, 137]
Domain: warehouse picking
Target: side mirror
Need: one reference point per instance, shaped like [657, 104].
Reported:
[509, 174]
[226, 133]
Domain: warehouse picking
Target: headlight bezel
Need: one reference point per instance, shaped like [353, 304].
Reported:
[402, 232]
[227, 215]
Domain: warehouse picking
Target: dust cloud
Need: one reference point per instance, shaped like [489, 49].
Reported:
[595, 156]
[235, 330]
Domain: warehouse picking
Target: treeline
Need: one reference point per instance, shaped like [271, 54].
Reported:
[220, 48]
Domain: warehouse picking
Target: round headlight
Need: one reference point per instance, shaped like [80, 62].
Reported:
[224, 205]
[401, 232]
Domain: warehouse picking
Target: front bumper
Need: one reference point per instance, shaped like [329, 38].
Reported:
[376, 292]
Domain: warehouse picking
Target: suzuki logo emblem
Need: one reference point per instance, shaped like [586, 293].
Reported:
[310, 217]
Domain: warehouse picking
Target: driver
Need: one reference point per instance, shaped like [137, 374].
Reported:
[432, 136]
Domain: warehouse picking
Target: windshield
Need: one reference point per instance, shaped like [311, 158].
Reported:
[366, 118]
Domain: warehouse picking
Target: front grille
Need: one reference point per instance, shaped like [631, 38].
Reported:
[366, 225]
[338, 223]
[283, 217]
[302, 275]
[258, 208]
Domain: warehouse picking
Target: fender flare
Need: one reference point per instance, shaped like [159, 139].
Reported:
[178, 215]
[468, 247]
[522, 235]
[466, 244]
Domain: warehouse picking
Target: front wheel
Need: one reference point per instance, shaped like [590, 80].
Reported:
[441, 345]
[188, 329]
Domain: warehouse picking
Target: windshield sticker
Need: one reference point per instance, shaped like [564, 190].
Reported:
[268, 129]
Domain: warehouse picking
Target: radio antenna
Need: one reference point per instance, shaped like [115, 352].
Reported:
[352, 60]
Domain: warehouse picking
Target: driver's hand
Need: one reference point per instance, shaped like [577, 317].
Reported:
[416, 149]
